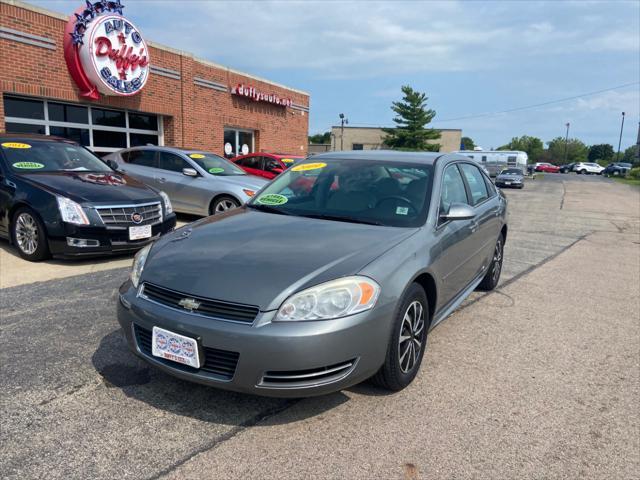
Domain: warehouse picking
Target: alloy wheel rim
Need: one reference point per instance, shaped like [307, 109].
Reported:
[225, 205]
[411, 336]
[26, 233]
[497, 261]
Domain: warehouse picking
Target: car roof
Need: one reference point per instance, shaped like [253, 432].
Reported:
[33, 137]
[421, 158]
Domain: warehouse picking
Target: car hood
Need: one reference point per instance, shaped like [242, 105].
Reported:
[258, 258]
[88, 187]
[246, 181]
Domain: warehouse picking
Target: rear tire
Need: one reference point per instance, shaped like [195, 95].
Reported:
[492, 277]
[583, 172]
[223, 204]
[29, 236]
[408, 341]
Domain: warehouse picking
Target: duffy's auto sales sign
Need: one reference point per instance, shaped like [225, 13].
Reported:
[105, 52]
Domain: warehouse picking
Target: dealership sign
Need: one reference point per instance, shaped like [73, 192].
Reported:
[258, 96]
[105, 52]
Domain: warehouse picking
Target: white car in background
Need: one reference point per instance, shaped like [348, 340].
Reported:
[588, 167]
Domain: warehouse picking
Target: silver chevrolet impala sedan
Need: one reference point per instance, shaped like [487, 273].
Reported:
[331, 275]
[197, 182]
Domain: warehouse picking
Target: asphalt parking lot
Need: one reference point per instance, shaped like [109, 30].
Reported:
[539, 379]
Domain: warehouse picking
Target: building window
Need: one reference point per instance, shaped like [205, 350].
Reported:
[101, 130]
[358, 146]
[238, 142]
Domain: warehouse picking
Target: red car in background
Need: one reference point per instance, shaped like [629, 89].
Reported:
[547, 167]
[267, 165]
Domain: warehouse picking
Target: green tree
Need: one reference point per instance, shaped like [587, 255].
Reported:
[466, 143]
[532, 145]
[320, 138]
[631, 155]
[411, 118]
[603, 152]
[577, 151]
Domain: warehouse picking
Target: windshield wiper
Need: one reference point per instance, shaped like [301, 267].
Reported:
[340, 218]
[267, 208]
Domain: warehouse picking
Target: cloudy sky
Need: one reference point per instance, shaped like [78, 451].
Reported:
[470, 57]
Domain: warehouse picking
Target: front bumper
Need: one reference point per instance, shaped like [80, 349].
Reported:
[503, 183]
[103, 240]
[278, 359]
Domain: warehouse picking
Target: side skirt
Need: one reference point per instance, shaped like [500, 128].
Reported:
[455, 303]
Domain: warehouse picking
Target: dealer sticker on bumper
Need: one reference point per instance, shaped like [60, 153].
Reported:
[175, 347]
[143, 231]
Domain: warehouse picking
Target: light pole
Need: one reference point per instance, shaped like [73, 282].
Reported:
[620, 139]
[566, 143]
[343, 121]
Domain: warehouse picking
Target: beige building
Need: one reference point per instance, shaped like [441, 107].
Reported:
[370, 138]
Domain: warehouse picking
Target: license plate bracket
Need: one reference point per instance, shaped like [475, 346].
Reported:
[139, 232]
[175, 347]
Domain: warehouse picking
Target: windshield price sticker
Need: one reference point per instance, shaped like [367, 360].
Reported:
[15, 145]
[272, 199]
[402, 210]
[287, 160]
[196, 155]
[216, 170]
[28, 165]
[308, 166]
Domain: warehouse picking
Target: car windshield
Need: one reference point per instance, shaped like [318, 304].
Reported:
[359, 191]
[511, 171]
[215, 165]
[39, 156]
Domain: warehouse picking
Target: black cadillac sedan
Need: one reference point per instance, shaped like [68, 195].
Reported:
[57, 198]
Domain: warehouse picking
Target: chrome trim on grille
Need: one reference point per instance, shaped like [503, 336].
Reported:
[119, 216]
[140, 294]
[307, 378]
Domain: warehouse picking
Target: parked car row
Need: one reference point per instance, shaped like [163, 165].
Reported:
[57, 198]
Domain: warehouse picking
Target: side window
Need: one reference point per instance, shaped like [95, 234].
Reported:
[251, 162]
[491, 188]
[475, 180]
[145, 158]
[172, 162]
[453, 190]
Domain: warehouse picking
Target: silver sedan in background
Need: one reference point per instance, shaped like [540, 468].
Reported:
[197, 182]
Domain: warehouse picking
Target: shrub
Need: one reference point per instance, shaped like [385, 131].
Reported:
[634, 173]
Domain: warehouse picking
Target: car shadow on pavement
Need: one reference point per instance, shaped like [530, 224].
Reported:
[120, 368]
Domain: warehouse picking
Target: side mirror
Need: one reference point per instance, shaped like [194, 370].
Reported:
[190, 172]
[111, 164]
[459, 211]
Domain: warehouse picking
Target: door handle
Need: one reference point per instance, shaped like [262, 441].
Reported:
[473, 227]
[162, 179]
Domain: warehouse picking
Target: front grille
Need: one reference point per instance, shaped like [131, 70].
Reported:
[120, 216]
[220, 363]
[306, 378]
[209, 308]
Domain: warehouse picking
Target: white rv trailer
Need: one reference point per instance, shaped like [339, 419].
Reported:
[494, 161]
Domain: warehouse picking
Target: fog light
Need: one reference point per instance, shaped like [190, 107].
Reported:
[82, 242]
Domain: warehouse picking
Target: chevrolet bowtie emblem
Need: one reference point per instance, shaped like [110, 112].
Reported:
[189, 303]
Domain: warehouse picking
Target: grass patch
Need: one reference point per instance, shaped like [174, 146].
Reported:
[628, 180]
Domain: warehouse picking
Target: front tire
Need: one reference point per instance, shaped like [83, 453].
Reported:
[29, 236]
[492, 277]
[223, 204]
[583, 172]
[408, 341]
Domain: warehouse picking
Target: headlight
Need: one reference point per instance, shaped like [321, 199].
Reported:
[334, 299]
[71, 212]
[138, 265]
[167, 203]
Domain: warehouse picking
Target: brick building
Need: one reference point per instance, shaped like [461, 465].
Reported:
[186, 102]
